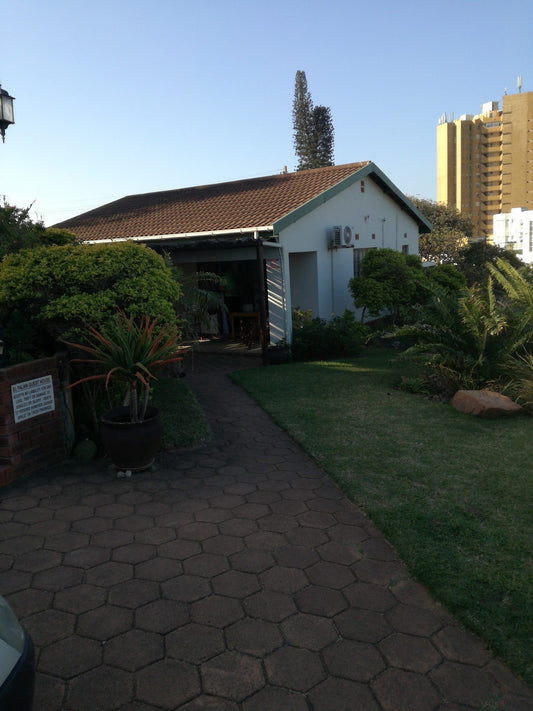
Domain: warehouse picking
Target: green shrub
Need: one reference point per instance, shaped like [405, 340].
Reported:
[58, 291]
[389, 281]
[475, 338]
[392, 284]
[316, 338]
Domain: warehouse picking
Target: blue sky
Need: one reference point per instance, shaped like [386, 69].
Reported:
[117, 97]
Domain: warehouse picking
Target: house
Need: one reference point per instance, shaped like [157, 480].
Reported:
[514, 231]
[279, 242]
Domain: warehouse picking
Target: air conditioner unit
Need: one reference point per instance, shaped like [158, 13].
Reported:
[335, 237]
[347, 237]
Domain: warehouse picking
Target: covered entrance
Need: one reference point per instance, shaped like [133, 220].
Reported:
[241, 285]
[233, 297]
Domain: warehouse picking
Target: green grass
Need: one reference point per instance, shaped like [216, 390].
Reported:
[451, 492]
[184, 422]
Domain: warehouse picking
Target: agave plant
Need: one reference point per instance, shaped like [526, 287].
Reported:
[129, 351]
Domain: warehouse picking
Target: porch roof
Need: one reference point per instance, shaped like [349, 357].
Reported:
[240, 206]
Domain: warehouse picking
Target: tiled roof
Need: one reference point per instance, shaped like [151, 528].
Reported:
[238, 205]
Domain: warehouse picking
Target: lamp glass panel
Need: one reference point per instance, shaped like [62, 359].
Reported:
[7, 108]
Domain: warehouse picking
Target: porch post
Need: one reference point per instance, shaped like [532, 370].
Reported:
[262, 299]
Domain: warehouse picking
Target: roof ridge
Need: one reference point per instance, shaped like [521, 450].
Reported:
[294, 173]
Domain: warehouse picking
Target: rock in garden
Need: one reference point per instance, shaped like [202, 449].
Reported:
[485, 403]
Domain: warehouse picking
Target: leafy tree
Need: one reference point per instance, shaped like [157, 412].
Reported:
[388, 281]
[18, 231]
[451, 232]
[444, 217]
[442, 246]
[313, 128]
[473, 262]
[58, 291]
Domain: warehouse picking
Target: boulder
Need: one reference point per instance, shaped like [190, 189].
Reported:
[485, 403]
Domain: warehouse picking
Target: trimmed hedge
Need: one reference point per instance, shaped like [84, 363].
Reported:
[52, 292]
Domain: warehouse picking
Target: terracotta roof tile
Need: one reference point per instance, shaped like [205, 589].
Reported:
[242, 204]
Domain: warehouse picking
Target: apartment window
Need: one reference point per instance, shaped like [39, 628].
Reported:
[358, 255]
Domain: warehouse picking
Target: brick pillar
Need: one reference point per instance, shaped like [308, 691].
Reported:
[38, 440]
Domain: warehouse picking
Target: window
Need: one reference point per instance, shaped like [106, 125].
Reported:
[357, 236]
[373, 235]
[362, 186]
[405, 235]
[405, 249]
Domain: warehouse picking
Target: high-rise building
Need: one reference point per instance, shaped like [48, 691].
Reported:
[485, 162]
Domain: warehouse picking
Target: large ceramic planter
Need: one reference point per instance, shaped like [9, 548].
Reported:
[131, 445]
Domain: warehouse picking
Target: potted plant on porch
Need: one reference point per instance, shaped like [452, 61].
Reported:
[131, 352]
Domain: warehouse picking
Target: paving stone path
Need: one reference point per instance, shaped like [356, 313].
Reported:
[234, 577]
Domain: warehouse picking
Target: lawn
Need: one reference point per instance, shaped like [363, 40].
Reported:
[451, 492]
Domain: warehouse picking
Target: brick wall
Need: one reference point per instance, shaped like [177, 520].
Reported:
[33, 443]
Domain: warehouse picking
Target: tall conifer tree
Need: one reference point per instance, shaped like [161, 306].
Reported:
[323, 125]
[313, 128]
[302, 121]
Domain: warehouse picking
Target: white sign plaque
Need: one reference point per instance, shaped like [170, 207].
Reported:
[32, 398]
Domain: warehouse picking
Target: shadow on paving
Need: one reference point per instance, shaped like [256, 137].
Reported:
[233, 577]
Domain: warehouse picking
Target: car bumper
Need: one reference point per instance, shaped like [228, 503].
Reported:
[16, 693]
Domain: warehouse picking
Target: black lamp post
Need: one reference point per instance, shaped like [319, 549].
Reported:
[7, 117]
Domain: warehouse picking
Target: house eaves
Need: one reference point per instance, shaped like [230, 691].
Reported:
[186, 236]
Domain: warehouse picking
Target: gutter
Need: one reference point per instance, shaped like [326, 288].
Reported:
[182, 235]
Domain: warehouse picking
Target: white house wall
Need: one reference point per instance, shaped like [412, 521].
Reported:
[377, 220]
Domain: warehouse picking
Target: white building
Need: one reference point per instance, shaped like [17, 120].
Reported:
[300, 234]
[514, 230]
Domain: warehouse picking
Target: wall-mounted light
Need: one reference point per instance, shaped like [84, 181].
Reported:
[7, 116]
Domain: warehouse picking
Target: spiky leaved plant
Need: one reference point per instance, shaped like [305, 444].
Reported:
[472, 337]
[129, 351]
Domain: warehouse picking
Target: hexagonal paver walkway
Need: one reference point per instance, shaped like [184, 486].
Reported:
[235, 576]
